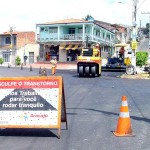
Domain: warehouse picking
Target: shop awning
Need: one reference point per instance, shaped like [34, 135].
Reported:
[71, 46]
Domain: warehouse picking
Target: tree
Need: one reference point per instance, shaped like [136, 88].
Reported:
[146, 30]
[1, 60]
[18, 61]
[88, 17]
[147, 25]
[141, 58]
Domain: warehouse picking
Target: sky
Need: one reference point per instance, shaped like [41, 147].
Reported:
[23, 15]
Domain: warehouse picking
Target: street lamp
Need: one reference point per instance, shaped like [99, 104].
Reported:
[134, 11]
[127, 4]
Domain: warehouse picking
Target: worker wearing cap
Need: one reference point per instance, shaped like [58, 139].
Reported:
[54, 64]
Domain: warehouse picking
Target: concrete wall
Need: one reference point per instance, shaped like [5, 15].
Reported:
[24, 38]
[26, 50]
[62, 55]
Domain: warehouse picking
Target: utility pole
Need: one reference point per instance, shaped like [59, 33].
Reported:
[12, 52]
[148, 13]
[134, 36]
[24, 55]
[135, 10]
[11, 38]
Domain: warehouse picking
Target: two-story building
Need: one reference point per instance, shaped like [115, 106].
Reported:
[65, 38]
[22, 44]
[123, 33]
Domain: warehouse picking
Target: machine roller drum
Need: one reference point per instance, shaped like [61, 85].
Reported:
[81, 73]
[87, 70]
[93, 71]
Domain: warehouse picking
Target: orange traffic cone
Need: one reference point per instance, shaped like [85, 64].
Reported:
[124, 123]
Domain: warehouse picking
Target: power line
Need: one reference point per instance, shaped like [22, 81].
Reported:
[141, 4]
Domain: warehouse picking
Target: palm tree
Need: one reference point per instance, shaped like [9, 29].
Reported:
[88, 17]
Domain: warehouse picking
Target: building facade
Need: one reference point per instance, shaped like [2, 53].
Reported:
[22, 44]
[65, 38]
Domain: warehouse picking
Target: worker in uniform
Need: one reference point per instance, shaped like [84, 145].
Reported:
[54, 64]
[128, 61]
[98, 50]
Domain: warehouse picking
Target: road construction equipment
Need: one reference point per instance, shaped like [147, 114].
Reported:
[121, 59]
[89, 63]
[123, 51]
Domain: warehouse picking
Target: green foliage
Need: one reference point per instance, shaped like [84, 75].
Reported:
[18, 61]
[141, 58]
[147, 25]
[88, 17]
[1, 60]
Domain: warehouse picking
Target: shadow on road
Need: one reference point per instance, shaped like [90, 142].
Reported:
[27, 132]
[110, 113]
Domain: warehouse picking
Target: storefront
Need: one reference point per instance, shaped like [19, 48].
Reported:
[69, 52]
[53, 51]
[63, 52]
[48, 51]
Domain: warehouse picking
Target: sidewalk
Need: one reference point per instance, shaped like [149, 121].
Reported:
[60, 65]
[48, 65]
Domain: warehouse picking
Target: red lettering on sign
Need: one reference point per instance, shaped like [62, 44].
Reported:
[48, 83]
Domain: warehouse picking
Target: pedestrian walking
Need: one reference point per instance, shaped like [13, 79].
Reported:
[54, 65]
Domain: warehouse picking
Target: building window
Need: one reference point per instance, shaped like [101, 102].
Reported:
[53, 29]
[108, 37]
[100, 33]
[45, 29]
[112, 37]
[6, 56]
[97, 33]
[103, 35]
[7, 40]
[71, 30]
[14, 40]
[42, 29]
[80, 30]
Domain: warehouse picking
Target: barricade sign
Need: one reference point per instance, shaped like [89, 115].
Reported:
[32, 102]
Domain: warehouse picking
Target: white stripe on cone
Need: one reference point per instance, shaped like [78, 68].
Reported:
[124, 114]
[124, 103]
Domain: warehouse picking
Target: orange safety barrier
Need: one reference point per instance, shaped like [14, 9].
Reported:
[124, 124]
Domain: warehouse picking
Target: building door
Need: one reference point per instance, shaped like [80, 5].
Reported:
[6, 56]
[31, 57]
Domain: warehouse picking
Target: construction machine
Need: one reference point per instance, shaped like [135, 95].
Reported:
[121, 59]
[89, 63]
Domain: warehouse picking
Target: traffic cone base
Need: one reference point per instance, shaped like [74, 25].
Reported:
[124, 128]
[123, 135]
[124, 123]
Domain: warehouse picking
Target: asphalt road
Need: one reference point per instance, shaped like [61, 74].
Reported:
[143, 45]
[92, 113]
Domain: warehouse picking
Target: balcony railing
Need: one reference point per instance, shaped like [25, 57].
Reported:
[74, 37]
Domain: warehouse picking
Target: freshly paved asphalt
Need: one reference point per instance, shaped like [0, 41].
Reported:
[92, 113]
